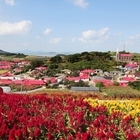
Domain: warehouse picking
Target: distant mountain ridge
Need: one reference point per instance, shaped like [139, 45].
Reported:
[30, 52]
[3, 52]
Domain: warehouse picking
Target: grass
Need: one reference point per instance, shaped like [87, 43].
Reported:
[67, 92]
[121, 91]
[3, 71]
[107, 93]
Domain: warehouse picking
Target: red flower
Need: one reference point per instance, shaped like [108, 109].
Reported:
[37, 132]
[12, 135]
[18, 133]
[110, 134]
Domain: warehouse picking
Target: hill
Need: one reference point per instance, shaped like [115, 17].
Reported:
[3, 52]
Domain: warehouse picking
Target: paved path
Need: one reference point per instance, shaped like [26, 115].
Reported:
[30, 91]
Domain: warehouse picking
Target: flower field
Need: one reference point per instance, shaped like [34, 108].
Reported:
[67, 117]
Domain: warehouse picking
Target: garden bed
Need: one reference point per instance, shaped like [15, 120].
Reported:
[67, 117]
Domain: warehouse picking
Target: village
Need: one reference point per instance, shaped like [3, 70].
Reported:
[14, 81]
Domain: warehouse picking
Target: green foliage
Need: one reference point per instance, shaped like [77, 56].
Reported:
[70, 84]
[20, 55]
[73, 58]
[90, 60]
[51, 73]
[84, 60]
[134, 85]
[16, 55]
[56, 59]
[26, 68]
[37, 63]
[100, 85]
[115, 83]
[121, 92]
[53, 66]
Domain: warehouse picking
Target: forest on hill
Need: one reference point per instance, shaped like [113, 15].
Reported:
[78, 61]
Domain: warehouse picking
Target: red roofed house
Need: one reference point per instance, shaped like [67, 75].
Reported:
[132, 66]
[129, 79]
[51, 79]
[41, 68]
[87, 71]
[75, 79]
[84, 77]
[84, 74]
[104, 81]
[125, 57]
[31, 82]
[5, 65]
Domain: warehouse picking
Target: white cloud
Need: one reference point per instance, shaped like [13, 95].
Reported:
[118, 33]
[37, 37]
[55, 40]
[81, 3]
[25, 44]
[21, 27]
[10, 2]
[73, 39]
[135, 37]
[96, 36]
[132, 40]
[129, 43]
[47, 31]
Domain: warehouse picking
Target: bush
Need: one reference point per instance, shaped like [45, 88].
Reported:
[115, 83]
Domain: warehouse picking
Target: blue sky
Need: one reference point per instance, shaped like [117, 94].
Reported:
[70, 25]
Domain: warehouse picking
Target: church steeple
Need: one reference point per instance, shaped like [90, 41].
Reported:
[117, 54]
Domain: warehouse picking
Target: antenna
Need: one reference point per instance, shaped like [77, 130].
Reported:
[124, 47]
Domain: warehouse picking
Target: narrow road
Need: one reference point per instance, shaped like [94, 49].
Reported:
[29, 91]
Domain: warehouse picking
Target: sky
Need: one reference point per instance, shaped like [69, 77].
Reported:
[70, 25]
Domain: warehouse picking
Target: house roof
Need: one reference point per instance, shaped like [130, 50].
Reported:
[137, 73]
[84, 77]
[125, 54]
[98, 78]
[33, 82]
[73, 78]
[131, 65]
[128, 79]
[5, 67]
[87, 71]
[106, 82]
[41, 68]
[85, 89]
[51, 79]
[7, 74]
[5, 81]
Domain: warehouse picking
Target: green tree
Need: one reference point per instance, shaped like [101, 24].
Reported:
[100, 85]
[53, 66]
[36, 63]
[56, 59]
[134, 85]
[115, 83]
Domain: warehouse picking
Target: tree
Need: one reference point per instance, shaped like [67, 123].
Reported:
[100, 85]
[134, 85]
[115, 83]
[53, 66]
[73, 58]
[36, 63]
[56, 59]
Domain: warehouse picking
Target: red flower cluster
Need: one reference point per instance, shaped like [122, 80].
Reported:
[35, 117]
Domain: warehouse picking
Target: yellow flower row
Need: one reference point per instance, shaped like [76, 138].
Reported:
[125, 106]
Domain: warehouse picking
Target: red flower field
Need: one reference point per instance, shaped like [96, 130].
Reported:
[61, 117]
